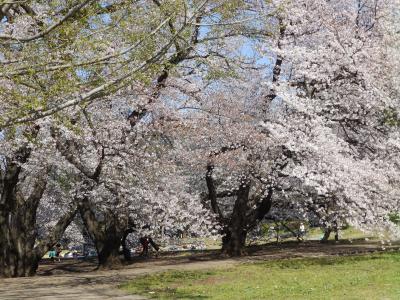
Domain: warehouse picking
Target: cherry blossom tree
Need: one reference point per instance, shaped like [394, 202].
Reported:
[335, 99]
[128, 178]
[322, 127]
[148, 112]
[74, 48]
[24, 178]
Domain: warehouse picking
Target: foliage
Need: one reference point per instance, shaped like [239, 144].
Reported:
[395, 218]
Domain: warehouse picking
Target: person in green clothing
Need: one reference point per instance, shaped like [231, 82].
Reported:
[52, 254]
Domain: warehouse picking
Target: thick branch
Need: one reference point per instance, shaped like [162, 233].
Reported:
[227, 194]
[68, 148]
[212, 192]
[10, 179]
[263, 206]
[177, 58]
[276, 72]
[70, 14]
[89, 219]
[57, 232]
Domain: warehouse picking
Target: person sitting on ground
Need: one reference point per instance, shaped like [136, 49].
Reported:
[52, 254]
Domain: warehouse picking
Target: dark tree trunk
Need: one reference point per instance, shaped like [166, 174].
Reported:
[246, 214]
[106, 235]
[17, 216]
[19, 255]
[234, 240]
[336, 230]
[108, 253]
[327, 233]
[19, 243]
[125, 248]
[247, 211]
[243, 219]
[17, 223]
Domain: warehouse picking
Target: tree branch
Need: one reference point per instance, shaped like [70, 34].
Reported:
[55, 235]
[70, 14]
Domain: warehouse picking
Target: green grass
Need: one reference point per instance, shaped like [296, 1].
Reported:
[356, 277]
[349, 233]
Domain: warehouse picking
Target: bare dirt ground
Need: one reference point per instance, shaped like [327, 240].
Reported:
[79, 279]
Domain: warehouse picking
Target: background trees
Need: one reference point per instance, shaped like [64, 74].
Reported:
[337, 69]
[82, 51]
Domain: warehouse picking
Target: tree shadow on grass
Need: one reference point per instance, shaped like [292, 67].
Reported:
[270, 251]
[48, 268]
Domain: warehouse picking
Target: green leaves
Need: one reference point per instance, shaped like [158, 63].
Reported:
[216, 73]
[100, 49]
[391, 117]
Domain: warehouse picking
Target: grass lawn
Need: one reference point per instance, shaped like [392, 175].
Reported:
[353, 277]
[344, 234]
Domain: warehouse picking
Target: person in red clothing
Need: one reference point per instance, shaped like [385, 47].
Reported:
[145, 241]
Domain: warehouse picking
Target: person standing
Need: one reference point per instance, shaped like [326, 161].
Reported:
[58, 251]
[144, 241]
[302, 231]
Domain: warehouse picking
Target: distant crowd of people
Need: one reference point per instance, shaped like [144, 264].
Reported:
[145, 241]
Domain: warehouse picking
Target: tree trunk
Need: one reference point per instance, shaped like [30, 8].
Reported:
[19, 255]
[105, 234]
[18, 258]
[18, 235]
[246, 214]
[19, 265]
[336, 234]
[234, 240]
[125, 248]
[108, 253]
[327, 233]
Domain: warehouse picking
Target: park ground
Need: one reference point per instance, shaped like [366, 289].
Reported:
[347, 270]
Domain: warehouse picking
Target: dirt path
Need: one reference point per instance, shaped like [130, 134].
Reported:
[92, 285]
[67, 281]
